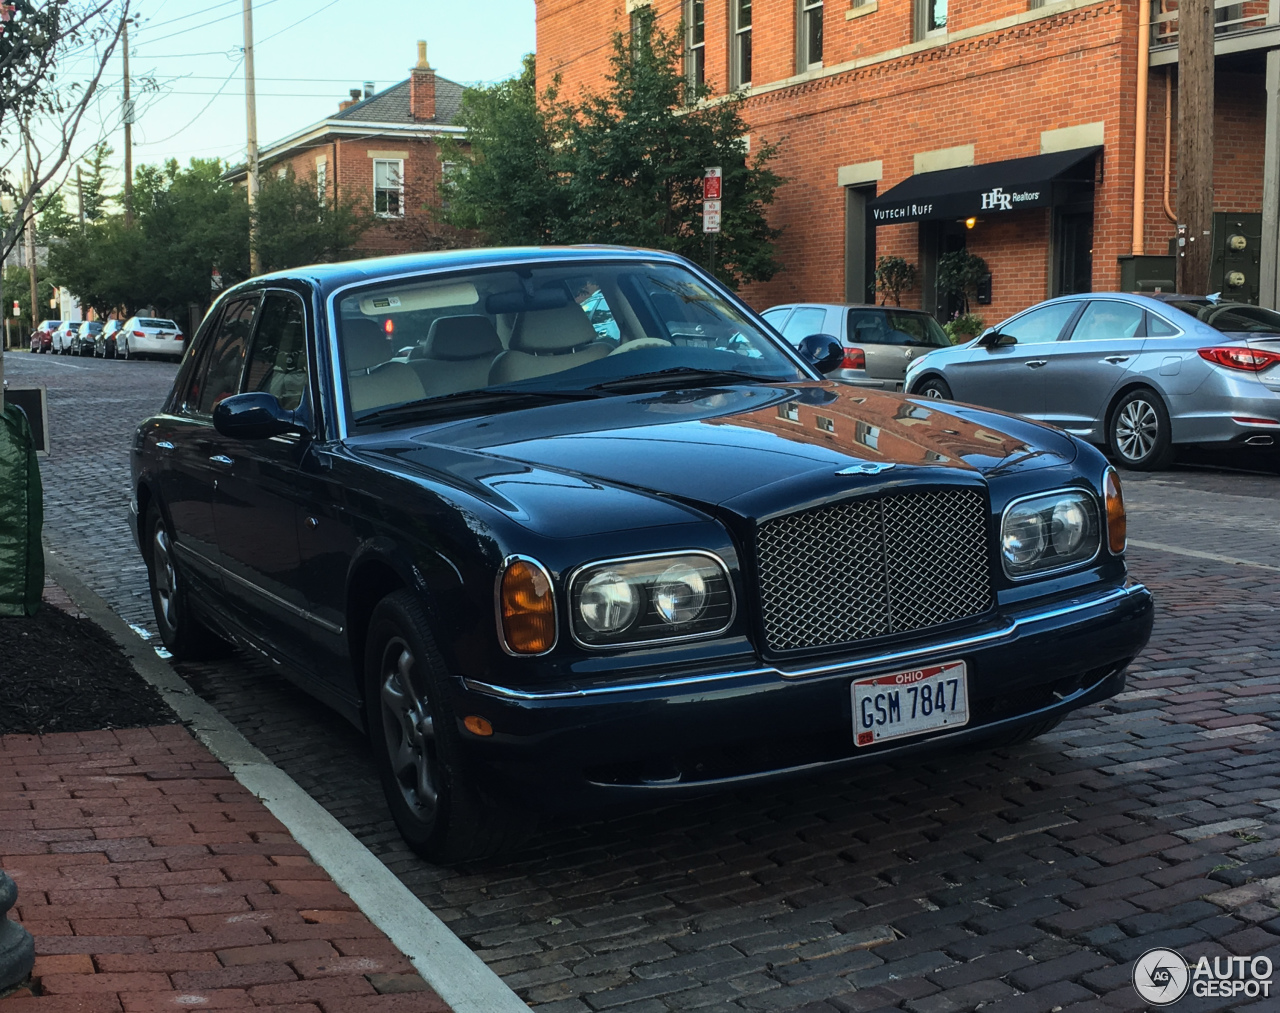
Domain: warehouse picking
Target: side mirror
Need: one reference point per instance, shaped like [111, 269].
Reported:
[254, 416]
[994, 339]
[821, 351]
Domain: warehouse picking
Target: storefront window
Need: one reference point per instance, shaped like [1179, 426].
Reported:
[740, 69]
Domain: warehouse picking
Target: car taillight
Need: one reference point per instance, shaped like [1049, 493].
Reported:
[1255, 360]
[854, 358]
[177, 337]
[139, 334]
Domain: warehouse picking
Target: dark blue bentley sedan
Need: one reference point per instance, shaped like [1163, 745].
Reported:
[559, 526]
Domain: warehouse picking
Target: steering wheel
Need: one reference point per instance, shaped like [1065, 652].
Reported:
[634, 343]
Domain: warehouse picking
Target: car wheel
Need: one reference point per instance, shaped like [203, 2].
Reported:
[414, 736]
[185, 637]
[122, 349]
[935, 388]
[1139, 434]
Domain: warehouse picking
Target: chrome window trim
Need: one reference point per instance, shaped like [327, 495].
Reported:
[724, 569]
[884, 661]
[608, 256]
[1099, 520]
[497, 605]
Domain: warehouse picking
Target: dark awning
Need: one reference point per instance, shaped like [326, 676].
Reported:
[993, 188]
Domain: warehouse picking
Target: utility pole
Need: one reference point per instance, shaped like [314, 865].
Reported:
[80, 194]
[31, 233]
[251, 123]
[1195, 145]
[128, 132]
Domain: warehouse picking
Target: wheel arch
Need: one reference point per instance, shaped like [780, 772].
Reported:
[930, 373]
[1124, 390]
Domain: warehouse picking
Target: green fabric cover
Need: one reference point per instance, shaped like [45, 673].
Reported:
[21, 517]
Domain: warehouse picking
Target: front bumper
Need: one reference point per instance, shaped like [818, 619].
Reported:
[693, 732]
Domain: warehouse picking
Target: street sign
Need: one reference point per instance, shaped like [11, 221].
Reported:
[17, 310]
[710, 216]
[711, 183]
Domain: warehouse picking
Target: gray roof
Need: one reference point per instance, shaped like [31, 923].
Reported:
[392, 105]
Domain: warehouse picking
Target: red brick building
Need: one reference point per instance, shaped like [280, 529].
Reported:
[1005, 127]
[383, 149]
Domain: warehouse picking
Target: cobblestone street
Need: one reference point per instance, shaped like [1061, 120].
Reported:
[1022, 881]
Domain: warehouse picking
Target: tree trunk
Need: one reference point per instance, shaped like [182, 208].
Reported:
[1195, 144]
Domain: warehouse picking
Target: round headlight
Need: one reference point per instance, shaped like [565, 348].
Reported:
[1022, 540]
[608, 602]
[1068, 526]
[680, 594]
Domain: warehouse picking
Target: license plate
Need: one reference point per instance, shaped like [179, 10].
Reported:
[911, 702]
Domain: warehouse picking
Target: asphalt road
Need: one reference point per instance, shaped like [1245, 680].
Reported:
[1023, 881]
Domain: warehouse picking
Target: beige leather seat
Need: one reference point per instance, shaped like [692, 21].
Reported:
[457, 354]
[548, 341]
[375, 382]
[288, 377]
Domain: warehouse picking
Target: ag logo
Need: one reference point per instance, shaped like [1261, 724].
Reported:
[1161, 976]
[866, 468]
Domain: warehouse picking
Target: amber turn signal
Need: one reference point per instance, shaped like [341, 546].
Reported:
[1117, 526]
[527, 607]
[477, 725]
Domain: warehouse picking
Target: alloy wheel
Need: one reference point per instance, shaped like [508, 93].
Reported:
[1137, 429]
[409, 729]
[165, 576]
[933, 392]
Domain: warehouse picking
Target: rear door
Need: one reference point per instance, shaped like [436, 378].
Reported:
[1088, 365]
[1008, 377]
[805, 320]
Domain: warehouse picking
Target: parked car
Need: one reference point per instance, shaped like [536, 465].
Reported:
[145, 337]
[879, 341]
[42, 336]
[104, 345]
[1136, 374]
[85, 336]
[542, 567]
[63, 335]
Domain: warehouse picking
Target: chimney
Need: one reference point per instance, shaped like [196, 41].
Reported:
[348, 103]
[368, 89]
[422, 87]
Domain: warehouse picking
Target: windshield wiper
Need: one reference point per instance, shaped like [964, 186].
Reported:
[680, 374]
[479, 398]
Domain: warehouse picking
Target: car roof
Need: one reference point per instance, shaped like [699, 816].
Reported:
[847, 306]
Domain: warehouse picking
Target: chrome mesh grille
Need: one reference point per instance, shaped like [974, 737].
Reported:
[873, 567]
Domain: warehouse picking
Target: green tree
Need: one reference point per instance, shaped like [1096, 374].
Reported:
[95, 172]
[297, 225]
[959, 274]
[624, 166]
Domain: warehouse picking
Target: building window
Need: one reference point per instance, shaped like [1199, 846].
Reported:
[282, 172]
[931, 17]
[388, 187]
[449, 171]
[740, 54]
[322, 177]
[810, 34]
[695, 19]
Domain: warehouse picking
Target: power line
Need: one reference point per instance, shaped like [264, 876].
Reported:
[206, 24]
[202, 111]
[332, 3]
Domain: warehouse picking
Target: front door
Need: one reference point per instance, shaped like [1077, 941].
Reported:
[1086, 367]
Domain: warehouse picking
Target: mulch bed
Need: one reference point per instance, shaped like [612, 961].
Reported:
[62, 674]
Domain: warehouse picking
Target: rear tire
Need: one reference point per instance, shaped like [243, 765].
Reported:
[122, 349]
[935, 388]
[1138, 432]
[184, 636]
[416, 743]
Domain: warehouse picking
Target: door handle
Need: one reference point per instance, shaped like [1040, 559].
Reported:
[1036, 363]
[1118, 358]
[222, 459]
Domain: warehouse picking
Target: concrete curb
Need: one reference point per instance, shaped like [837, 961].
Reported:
[459, 977]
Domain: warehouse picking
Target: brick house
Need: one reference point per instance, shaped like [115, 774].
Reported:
[382, 148]
[1005, 127]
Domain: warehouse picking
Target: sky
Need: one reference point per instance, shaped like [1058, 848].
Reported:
[186, 64]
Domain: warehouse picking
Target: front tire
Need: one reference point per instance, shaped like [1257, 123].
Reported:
[185, 637]
[1139, 433]
[416, 742]
[122, 348]
[935, 388]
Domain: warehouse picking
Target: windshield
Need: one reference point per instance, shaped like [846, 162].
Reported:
[895, 327]
[557, 329]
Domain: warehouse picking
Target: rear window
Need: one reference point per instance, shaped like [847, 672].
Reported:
[164, 325]
[1241, 319]
[895, 327]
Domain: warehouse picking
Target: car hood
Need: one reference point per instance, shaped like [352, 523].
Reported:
[729, 446]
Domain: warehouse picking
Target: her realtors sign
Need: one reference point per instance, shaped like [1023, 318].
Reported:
[960, 205]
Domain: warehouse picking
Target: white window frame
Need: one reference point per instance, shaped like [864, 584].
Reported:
[804, 8]
[399, 176]
[736, 33]
[322, 177]
[924, 8]
[695, 51]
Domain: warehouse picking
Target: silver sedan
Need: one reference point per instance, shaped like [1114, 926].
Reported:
[1134, 373]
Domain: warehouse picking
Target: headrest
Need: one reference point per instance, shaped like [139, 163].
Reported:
[457, 338]
[554, 330]
[365, 344]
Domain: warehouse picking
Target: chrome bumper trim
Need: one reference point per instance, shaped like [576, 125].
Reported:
[1008, 630]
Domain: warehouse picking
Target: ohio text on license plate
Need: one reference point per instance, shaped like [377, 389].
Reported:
[911, 702]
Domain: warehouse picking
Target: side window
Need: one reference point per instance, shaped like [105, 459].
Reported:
[1159, 327]
[223, 365]
[278, 361]
[804, 321]
[774, 318]
[1108, 320]
[1041, 325]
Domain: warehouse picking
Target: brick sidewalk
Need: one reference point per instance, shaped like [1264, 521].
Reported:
[152, 880]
